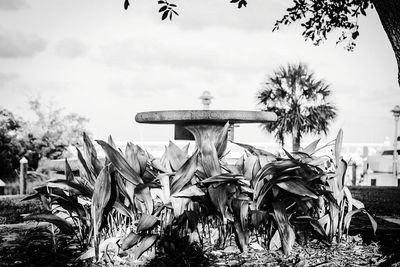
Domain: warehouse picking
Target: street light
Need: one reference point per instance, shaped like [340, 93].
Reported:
[206, 99]
[396, 114]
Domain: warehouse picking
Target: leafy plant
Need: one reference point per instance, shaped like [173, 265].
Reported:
[133, 201]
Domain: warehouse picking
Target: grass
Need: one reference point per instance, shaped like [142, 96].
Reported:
[11, 208]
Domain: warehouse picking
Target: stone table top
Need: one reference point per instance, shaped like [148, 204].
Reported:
[204, 116]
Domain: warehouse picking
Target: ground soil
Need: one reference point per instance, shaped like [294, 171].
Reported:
[32, 244]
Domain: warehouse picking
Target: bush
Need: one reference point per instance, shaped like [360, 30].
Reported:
[135, 201]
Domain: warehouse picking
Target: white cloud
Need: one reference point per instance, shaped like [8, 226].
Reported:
[7, 77]
[12, 5]
[19, 45]
[70, 48]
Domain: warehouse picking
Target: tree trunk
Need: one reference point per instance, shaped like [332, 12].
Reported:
[389, 14]
[295, 139]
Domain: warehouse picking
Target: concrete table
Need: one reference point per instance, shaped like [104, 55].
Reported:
[189, 123]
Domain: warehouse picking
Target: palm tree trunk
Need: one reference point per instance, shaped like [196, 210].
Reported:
[295, 139]
[388, 11]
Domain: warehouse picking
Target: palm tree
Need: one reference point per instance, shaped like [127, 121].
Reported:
[300, 101]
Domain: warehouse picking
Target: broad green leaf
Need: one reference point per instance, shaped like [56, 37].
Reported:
[258, 217]
[286, 232]
[191, 191]
[157, 164]
[69, 176]
[275, 242]
[146, 243]
[146, 222]
[90, 253]
[91, 155]
[255, 151]
[70, 204]
[72, 187]
[164, 192]
[325, 222]
[206, 136]
[350, 214]
[184, 174]
[209, 158]
[86, 172]
[256, 168]
[357, 204]
[240, 209]
[297, 187]
[219, 197]
[226, 178]
[120, 163]
[349, 198]
[64, 226]
[222, 140]
[136, 158]
[142, 193]
[130, 240]
[240, 165]
[124, 210]
[185, 149]
[34, 196]
[242, 237]
[318, 227]
[338, 145]
[175, 156]
[310, 149]
[112, 143]
[341, 173]
[179, 205]
[132, 158]
[126, 190]
[100, 199]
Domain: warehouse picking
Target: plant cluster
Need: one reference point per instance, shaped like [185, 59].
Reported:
[135, 201]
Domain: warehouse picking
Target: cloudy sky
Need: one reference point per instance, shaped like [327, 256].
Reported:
[105, 63]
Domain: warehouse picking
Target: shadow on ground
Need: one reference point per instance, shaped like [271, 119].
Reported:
[387, 236]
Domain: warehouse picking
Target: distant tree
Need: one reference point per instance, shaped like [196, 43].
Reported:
[50, 134]
[300, 101]
[10, 148]
[320, 17]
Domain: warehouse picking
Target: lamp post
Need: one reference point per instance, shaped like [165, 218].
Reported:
[396, 114]
[206, 99]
